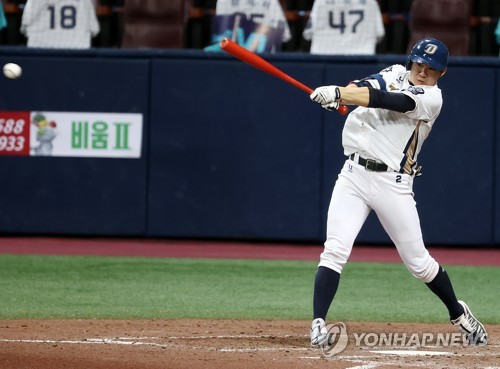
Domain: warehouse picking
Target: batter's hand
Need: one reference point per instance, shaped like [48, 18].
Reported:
[334, 106]
[326, 95]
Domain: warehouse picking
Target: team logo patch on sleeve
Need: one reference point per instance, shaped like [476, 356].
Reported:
[416, 90]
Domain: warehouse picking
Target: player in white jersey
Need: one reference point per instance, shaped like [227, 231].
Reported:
[344, 27]
[59, 23]
[382, 138]
[268, 12]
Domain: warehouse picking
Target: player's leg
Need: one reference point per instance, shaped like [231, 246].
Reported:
[402, 223]
[346, 214]
[396, 209]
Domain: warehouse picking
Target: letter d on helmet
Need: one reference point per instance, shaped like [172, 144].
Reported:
[431, 52]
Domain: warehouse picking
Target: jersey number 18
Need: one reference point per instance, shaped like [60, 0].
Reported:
[67, 17]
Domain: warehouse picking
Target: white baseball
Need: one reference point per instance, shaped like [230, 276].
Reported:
[12, 70]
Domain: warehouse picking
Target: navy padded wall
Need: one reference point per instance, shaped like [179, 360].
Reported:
[235, 152]
[87, 196]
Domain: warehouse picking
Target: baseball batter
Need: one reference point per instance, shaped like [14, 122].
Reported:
[382, 138]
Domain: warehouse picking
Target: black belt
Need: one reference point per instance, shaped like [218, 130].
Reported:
[370, 164]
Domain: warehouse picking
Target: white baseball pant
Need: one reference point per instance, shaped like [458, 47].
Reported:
[390, 195]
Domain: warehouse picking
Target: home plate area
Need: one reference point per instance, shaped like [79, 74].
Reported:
[221, 344]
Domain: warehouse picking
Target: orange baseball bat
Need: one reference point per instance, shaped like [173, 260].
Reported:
[257, 62]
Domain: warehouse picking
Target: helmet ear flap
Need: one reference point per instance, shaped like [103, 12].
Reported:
[408, 64]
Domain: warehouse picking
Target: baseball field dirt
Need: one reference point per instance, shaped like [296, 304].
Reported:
[221, 344]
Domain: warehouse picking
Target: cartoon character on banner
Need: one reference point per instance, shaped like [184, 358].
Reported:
[258, 38]
[46, 132]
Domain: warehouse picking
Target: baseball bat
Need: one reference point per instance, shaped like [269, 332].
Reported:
[257, 62]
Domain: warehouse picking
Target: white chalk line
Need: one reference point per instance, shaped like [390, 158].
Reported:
[88, 341]
[131, 340]
[369, 364]
[366, 365]
[140, 341]
[412, 353]
[263, 349]
[365, 361]
[137, 341]
[247, 336]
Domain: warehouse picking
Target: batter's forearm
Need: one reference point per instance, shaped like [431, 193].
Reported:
[353, 95]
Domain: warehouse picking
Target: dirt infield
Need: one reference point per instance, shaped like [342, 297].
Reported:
[225, 344]
[230, 344]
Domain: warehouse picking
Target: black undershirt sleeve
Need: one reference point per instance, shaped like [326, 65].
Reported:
[390, 100]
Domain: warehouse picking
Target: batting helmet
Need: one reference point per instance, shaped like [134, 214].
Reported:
[429, 51]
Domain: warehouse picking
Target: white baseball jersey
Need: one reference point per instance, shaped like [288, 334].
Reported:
[268, 12]
[59, 23]
[344, 27]
[388, 136]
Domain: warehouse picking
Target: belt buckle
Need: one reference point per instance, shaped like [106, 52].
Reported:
[370, 165]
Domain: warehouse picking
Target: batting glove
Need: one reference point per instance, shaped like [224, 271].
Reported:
[334, 106]
[326, 95]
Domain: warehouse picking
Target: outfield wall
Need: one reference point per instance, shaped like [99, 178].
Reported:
[229, 152]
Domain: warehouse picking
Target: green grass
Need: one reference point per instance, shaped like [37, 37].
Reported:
[153, 288]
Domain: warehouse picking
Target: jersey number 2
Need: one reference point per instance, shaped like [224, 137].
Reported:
[67, 17]
[358, 15]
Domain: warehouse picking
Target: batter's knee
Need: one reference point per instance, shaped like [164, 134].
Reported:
[417, 259]
[334, 258]
[425, 271]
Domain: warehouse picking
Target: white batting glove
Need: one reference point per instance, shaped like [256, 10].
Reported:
[334, 106]
[326, 95]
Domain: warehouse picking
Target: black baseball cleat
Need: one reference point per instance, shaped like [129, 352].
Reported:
[470, 327]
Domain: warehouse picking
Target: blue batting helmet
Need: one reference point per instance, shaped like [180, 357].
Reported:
[429, 51]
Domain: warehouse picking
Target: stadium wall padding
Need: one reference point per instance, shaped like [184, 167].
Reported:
[232, 153]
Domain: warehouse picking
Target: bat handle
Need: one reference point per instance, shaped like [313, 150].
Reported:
[343, 110]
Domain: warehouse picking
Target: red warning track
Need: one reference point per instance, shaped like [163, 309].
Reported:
[228, 250]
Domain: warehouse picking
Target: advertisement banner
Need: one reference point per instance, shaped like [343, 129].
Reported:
[71, 134]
